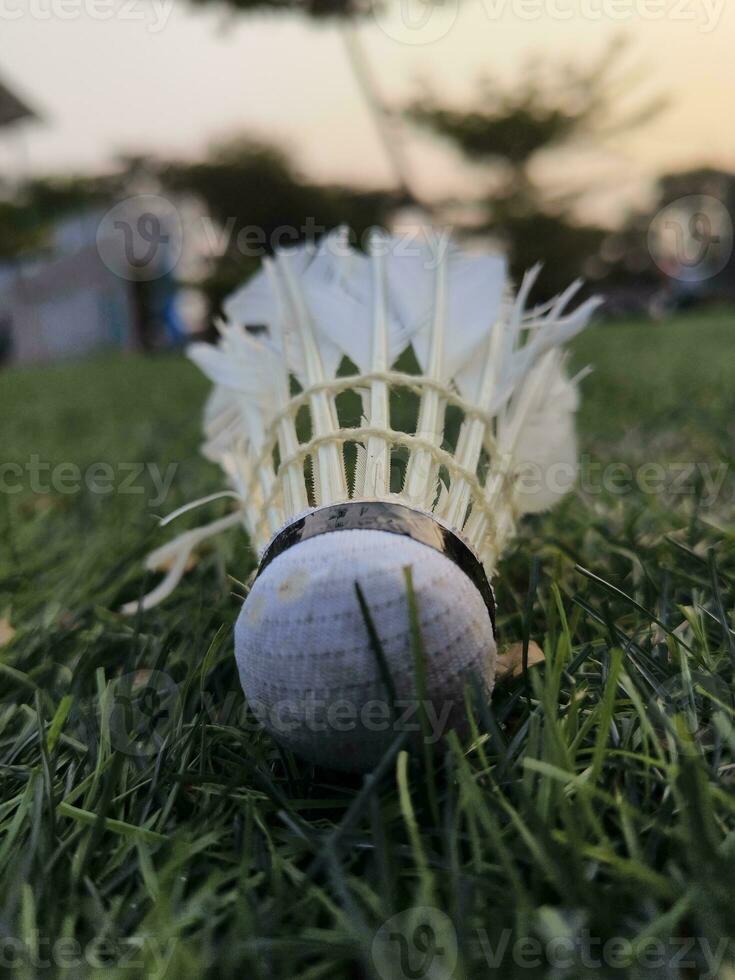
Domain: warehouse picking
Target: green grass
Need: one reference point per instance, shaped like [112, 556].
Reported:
[594, 801]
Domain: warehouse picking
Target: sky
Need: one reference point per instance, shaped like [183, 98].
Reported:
[159, 76]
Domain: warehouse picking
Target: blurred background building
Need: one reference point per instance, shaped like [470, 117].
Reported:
[70, 280]
[124, 221]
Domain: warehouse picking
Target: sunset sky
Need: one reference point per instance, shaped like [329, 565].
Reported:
[170, 80]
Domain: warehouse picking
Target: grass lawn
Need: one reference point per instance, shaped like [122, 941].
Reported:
[587, 827]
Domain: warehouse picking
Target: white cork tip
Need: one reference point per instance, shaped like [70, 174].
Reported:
[304, 654]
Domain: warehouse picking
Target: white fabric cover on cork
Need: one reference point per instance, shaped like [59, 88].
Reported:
[304, 655]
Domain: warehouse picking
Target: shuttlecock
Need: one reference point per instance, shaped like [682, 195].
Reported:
[339, 508]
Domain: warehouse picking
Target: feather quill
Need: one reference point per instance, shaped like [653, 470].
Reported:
[329, 461]
[348, 293]
[467, 295]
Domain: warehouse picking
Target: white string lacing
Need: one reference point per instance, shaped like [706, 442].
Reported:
[173, 557]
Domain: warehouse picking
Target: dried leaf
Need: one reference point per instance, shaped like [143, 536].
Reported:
[7, 632]
[510, 662]
[191, 562]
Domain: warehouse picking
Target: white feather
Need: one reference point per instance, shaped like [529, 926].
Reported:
[249, 370]
[545, 445]
[472, 297]
[329, 460]
[351, 306]
[470, 335]
[467, 298]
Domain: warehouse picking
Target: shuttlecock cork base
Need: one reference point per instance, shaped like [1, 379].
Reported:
[338, 507]
[307, 661]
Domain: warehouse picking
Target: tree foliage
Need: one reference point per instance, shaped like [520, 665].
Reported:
[256, 195]
[694, 191]
[26, 220]
[17, 233]
[319, 9]
[509, 130]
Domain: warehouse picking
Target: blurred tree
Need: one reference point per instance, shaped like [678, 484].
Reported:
[55, 198]
[260, 202]
[689, 225]
[18, 233]
[27, 220]
[701, 181]
[511, 131]
[313, 8]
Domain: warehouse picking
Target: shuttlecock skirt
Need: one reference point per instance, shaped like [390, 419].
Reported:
[432, 474]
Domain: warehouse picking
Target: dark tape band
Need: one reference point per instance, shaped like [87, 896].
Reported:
[379, 515]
